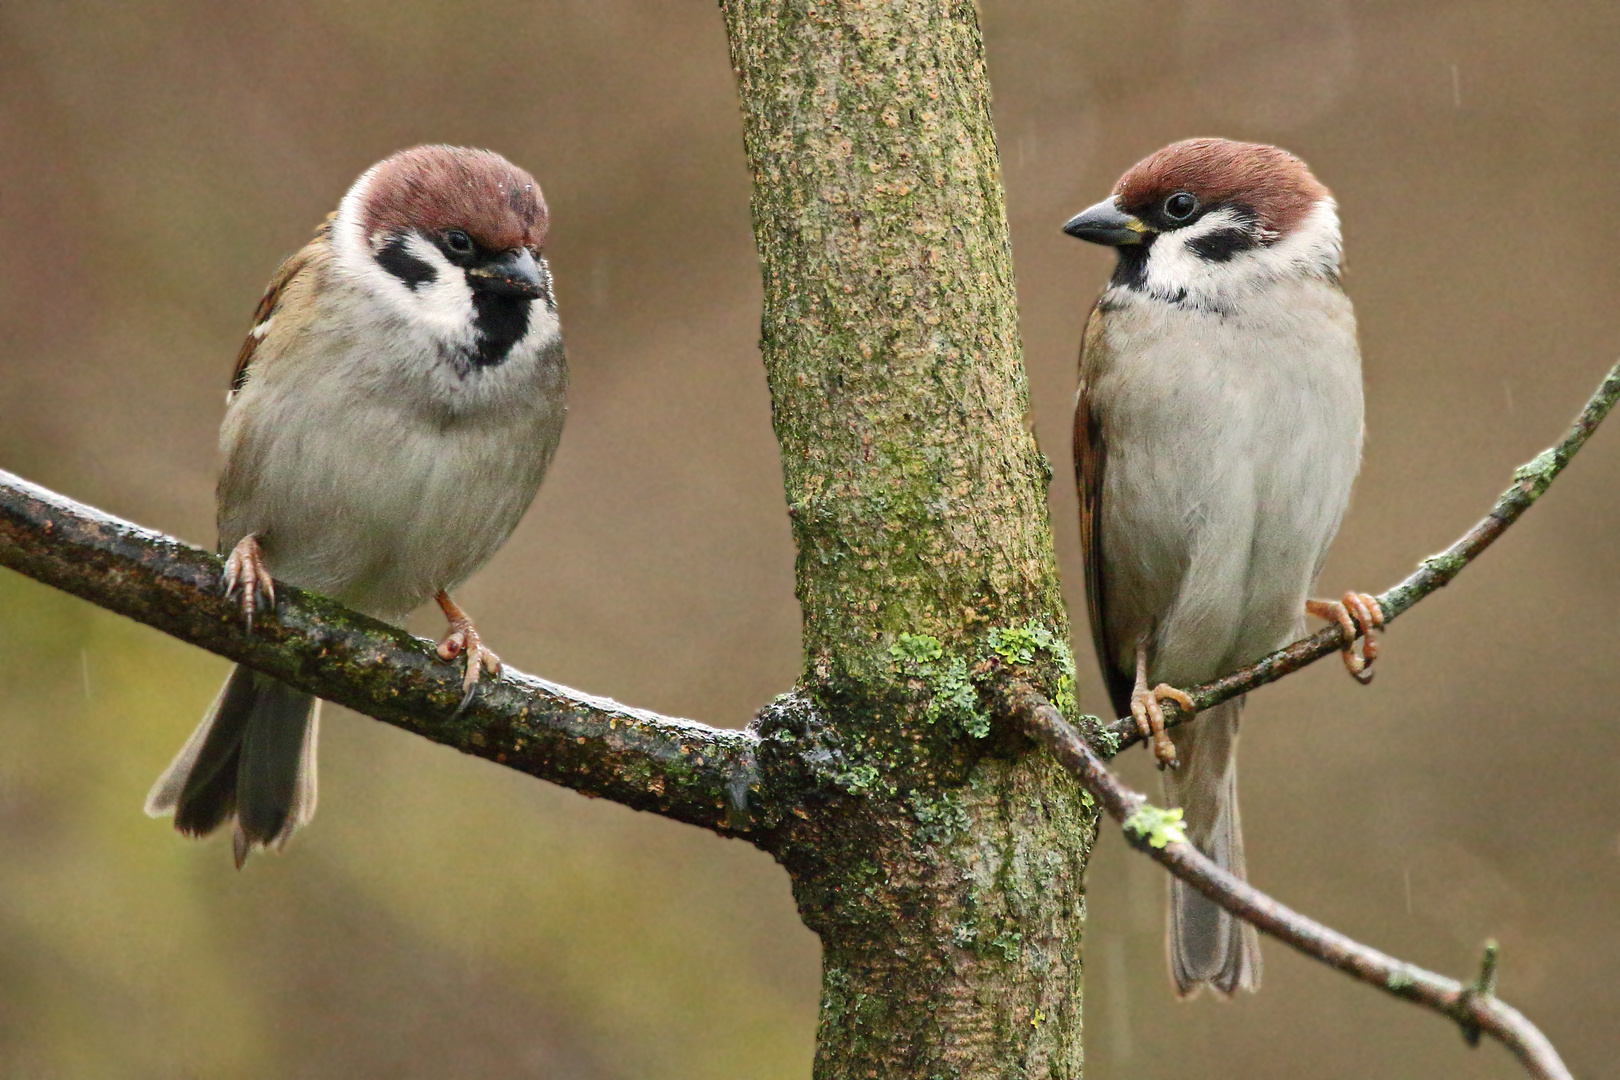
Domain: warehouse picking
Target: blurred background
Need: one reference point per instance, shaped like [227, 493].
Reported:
[444, 917]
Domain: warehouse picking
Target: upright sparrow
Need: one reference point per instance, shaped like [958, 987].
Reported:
[392, 413]
[1216, 435]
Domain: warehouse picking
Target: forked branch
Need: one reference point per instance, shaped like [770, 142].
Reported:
[1530, 482]
[683, 770]
[1474, 1007]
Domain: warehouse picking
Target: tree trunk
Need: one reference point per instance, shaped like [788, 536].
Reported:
[942, 862]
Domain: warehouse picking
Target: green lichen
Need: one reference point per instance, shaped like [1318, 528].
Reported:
[916, 649]
[1064, 698]
[1035, 644]
[989, 938]
[858, 779]
[1446, 564]
[1017, 644]
[1010, 943]
[1535, 475]
[1022, 644]
[952, 697]
[1156, 825]
[956, 700]
[939, 819]
[953, 682]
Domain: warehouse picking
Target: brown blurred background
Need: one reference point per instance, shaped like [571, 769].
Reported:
[444, 917]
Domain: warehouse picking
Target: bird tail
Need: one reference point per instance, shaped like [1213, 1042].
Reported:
[252, 759]
[1208, 947]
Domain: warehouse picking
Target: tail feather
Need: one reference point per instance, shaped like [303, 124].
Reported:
[268, 779]
[199, 786]
[1208, 947]
[252, 759]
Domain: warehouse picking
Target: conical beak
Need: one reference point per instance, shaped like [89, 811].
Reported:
[1107, 224]
[513, 273]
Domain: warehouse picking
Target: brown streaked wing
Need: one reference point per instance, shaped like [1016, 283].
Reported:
[1090, 459]
[272, 298]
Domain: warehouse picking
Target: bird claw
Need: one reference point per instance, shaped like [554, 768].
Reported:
[1359, 614]
[245, 572]
[463, 639]
[1149, 717]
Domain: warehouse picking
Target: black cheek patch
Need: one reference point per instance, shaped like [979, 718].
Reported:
[1131, 271]
[1222, 244]
[394, 258]
[500, 321]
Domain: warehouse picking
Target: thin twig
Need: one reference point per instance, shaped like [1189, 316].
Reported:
[1530, 482]
[1474, 1007]
[677, 768]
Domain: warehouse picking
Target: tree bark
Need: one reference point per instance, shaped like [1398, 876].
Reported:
[940, 862]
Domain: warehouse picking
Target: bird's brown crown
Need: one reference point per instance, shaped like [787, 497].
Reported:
[434, 188]
[1274, 184]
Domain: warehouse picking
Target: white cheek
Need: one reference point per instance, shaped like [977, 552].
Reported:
[443, 306]
[1175, 270]
[440, 311]
[544, 327]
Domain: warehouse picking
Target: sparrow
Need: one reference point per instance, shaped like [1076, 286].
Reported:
[1217, 432]
[391, 415]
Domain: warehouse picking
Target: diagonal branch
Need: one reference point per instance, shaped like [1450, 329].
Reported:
[1530, 482]
[683, 770]
[1474, 1007]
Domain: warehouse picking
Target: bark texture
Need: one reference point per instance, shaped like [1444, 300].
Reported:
[940, 862]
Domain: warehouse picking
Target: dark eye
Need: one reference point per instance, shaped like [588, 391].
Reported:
[1180, 206]
[458, 242]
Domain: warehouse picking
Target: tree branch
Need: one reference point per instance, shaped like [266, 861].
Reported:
[1530, 482]
[683, 770]
[1474, 1007]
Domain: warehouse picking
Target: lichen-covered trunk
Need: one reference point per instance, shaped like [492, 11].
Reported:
[950, 917]
[943, 866]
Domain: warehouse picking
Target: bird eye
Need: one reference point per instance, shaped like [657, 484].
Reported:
[1180, 206]
[458, 241]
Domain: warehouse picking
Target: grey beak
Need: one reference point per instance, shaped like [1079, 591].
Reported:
[512, 273]
[1107, 224]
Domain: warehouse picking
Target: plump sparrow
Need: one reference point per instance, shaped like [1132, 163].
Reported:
[392, 413]
[1216, 435]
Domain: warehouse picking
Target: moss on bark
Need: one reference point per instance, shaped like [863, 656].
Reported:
[890, 331]
[941, 863]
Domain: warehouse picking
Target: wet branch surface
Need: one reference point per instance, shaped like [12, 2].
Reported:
[1473, 1006]
[677, 768]
[1530, 482]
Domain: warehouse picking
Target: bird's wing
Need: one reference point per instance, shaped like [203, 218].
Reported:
[287, 307]
[270, 302]
[1090, 459]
